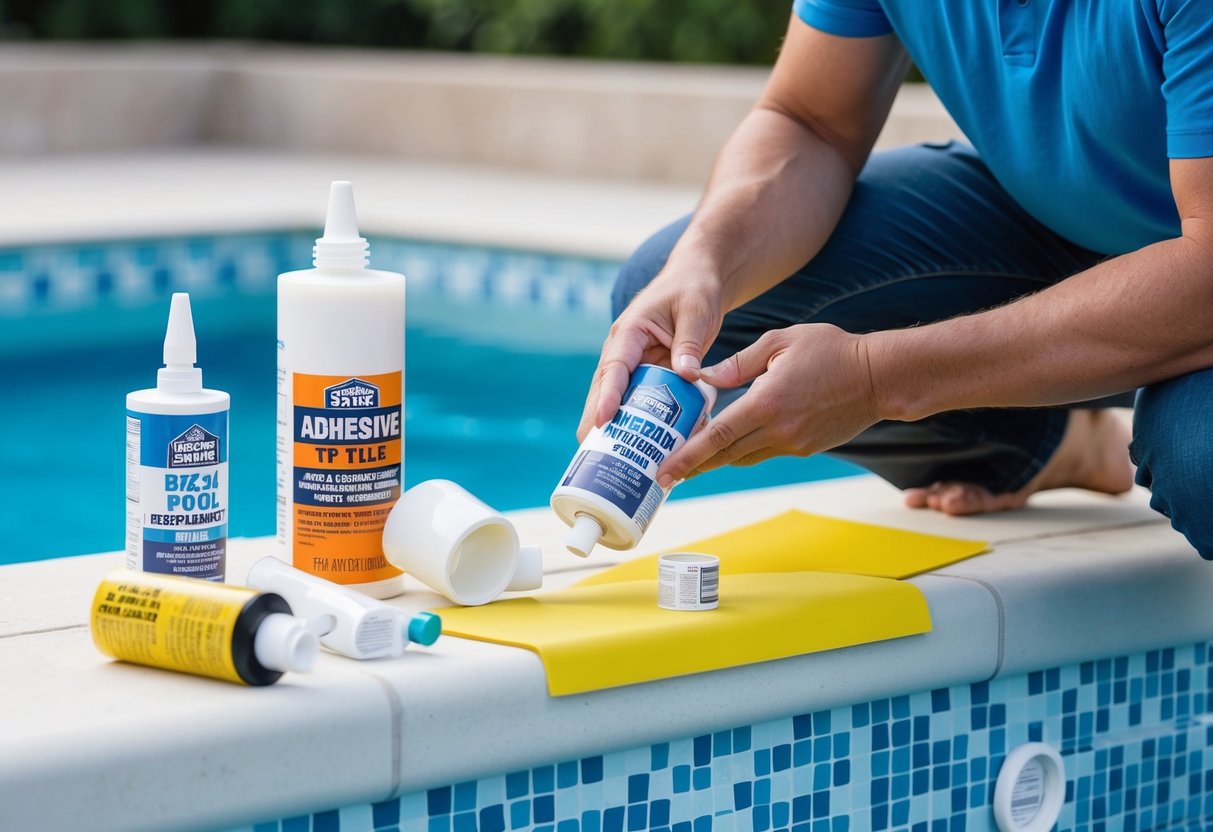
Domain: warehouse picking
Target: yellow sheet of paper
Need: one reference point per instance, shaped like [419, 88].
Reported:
[595, 637]
[796, 542]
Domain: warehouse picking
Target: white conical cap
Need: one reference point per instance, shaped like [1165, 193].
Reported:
[179, 375]
[180, 345]
[584, 535]
[341, 246]
[285, 643]
[341, 221]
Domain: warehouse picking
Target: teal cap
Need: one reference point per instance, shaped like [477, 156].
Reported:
[424, 628]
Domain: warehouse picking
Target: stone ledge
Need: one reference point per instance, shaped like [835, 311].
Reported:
[465, 709]
[653, 122]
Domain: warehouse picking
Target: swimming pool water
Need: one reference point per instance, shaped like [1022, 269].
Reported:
[493, 394]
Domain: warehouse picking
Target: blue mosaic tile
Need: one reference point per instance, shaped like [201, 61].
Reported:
[49, 278]
[1134, 761]
[385, 814]
[492, 818]
[591, 770]
[543, 779]
[741, 739]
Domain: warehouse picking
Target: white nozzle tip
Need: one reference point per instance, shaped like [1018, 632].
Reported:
[180, 346]
[340, 247]
[341, 222]
[584, 535]
[529, 574]
[284, 643]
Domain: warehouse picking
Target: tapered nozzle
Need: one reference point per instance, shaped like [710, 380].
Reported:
[341, 221]
[180, 345]
[341, 247]
[179, 375]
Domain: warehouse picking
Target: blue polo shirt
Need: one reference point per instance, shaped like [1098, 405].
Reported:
[1075, 105]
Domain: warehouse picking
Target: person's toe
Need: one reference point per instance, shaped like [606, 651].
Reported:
[935, 494]
[959, 499]
[916, 497]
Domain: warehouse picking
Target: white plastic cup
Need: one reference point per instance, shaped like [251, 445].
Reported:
[452, 542]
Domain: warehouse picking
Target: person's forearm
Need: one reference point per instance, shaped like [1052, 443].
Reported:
[775, 195]
[1130, 321]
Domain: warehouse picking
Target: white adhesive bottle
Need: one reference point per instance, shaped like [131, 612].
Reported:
[348, 622]
[340, 420]
[176, 464]
[609, 493]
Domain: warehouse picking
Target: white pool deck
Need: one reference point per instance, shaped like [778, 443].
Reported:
[215, 190]
[86, 739]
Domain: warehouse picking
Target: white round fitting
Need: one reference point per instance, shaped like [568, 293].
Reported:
[688, 581]
[529, 574]
[285, 643]
[1030, 789]
[451, 542]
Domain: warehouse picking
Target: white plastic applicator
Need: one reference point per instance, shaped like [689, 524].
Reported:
[584, 535]
[179, 375]
[347, 621]
[341, 247]
[284, 643]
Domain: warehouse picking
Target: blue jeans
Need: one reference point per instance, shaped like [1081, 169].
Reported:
[930, 234]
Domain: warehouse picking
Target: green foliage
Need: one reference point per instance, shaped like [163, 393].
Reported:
[711, 31]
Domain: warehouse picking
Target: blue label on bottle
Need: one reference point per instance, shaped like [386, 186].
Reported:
[619, 460]
[669, 398]
[176, 491]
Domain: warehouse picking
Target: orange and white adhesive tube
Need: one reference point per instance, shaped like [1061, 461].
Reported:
[340, 414]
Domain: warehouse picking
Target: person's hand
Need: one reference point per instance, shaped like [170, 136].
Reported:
[812, 391]
[671, 323]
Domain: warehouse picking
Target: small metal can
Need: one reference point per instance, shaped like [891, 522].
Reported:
[688, 581]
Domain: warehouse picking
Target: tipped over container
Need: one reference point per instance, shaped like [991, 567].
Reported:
[609, 494]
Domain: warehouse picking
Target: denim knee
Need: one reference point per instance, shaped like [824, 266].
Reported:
[644, 264]
[1173, 449]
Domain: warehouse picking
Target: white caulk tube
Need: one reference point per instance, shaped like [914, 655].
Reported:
[609, 493]
[176, 464]
[347, 621]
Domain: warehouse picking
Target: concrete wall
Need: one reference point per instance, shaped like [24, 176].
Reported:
[651, 122]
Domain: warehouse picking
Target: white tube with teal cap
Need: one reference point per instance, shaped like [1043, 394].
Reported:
[347, 621]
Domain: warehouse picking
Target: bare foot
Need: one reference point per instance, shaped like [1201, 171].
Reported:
[1093, 454]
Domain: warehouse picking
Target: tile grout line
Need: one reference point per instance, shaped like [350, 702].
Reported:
[59, 629]
[396, 708]
[1002, 618]
[1133, 524]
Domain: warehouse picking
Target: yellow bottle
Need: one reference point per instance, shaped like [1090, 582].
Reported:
[194, 626]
